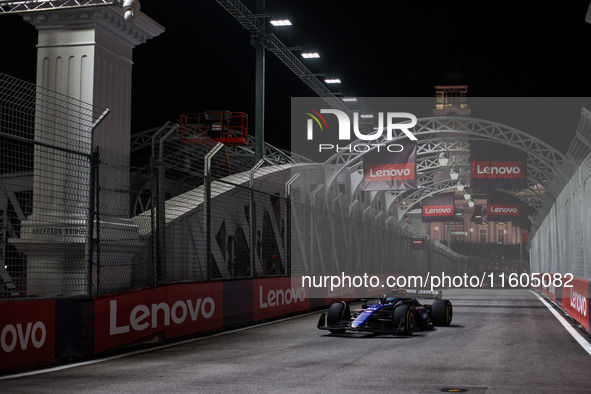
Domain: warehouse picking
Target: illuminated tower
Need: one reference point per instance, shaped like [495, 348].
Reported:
[451, 96]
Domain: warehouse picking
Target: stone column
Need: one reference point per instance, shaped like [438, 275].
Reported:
[85, 54]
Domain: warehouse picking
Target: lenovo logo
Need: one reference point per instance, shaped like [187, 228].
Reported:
[498, 169]
[578, 302]
[437, 210]
[388, 172]
[503, 209]
[159, 315]
[22, 335]
[280, 297]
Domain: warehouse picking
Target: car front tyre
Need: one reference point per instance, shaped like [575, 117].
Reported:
[441, 313]
[336, 313]
[404, 319]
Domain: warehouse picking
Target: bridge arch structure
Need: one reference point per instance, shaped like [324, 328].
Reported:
[548, 168]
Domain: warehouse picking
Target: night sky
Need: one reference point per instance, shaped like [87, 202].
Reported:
[377, 48]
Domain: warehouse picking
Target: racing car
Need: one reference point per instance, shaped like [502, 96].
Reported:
[397, 313]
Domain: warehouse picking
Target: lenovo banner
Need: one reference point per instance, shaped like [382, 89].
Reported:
[173, 311]
[439, 208]
[27, 333]
[496, 166]
[575, 300]
[387, 170]
[502, 207]
[278, 296]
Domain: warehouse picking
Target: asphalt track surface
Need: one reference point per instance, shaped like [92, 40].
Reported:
[500, 341]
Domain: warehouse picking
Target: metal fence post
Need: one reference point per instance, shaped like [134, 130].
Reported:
[312, 225]
[252, 219]
[154, 194]
[287, 230]
[93, 209]
[207, 204]
[92, 212]
[158, 203]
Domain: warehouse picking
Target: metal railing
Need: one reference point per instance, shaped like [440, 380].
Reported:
[561, 241]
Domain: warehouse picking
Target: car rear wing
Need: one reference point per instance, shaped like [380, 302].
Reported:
[419, 293]
[411, 293]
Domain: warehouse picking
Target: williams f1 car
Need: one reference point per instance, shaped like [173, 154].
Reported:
[397, 313]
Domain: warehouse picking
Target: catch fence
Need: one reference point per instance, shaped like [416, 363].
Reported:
[561, 241]
[79, 221]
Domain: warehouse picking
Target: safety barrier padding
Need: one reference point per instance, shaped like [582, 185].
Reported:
[42, 332]
[27, 333]
[572, 297]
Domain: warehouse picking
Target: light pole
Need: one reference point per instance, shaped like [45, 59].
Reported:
[259, 112]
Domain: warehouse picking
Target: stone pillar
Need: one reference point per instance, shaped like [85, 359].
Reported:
[85, 54]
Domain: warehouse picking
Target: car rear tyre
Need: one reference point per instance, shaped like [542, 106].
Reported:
[441, 313]
[404, 319]
[336, 313]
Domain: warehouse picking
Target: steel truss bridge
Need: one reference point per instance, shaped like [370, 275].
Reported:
[548, 170]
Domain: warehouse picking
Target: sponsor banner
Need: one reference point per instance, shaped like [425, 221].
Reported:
[418, 243]
[502, 207]
[195, 308]
[317, 295]
[575, 301]
[172, 311]
[498, 169]
[27, 333]
[497, 166]
[343, 292]
[275, 297]
[385, 170]
[439, 208]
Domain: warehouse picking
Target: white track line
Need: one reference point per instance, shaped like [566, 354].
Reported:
[574, 333]
[151, 349]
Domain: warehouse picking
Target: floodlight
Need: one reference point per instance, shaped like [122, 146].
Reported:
[280, 22]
